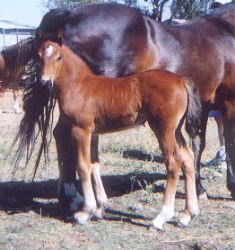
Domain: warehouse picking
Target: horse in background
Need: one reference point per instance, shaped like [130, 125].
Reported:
[91, 104]
[115, 40]
[13, 61]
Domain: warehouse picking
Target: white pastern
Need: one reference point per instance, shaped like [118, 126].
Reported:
[166, 214]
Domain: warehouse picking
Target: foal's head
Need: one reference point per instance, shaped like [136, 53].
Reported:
[51, 56]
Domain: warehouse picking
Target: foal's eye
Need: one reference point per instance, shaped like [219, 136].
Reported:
[59, 58]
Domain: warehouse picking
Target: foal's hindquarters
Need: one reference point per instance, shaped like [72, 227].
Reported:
[161, 98]
[167, 97]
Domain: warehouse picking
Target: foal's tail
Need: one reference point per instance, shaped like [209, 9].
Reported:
[194, 109]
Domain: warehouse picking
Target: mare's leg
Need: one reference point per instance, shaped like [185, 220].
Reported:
[1, 97]
[229, 134]
[198, 144]
[101, 197]
[69, 199]
[82, 142]
[16, 105]
[173, 163]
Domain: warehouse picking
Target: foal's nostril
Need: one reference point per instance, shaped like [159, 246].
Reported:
[46, 82]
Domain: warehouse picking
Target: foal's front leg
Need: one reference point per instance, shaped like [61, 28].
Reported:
[69, 198]
[82, 142]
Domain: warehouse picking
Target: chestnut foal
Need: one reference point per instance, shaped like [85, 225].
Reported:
[91, 104]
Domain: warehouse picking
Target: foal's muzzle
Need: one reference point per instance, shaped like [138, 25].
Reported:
[46, 82]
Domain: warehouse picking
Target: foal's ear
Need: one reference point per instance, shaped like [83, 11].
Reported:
[39, 34]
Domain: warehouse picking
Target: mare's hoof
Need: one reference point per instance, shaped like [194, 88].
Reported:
[82, 217]
[233, 196]
[203, 197]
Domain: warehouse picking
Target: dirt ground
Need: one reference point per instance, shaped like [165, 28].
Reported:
[134, 178]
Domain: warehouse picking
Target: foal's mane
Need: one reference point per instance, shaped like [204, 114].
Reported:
[16, 57]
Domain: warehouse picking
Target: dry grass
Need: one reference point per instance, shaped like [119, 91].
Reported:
[134, 179]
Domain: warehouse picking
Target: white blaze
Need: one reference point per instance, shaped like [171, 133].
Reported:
[49, 50]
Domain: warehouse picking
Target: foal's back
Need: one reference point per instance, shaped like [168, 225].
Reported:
[163, 94]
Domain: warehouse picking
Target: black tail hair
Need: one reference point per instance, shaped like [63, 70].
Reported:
[39, 103]
[38, 99]
[194, 109]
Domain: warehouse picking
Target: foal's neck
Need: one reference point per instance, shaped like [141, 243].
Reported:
[74, 66]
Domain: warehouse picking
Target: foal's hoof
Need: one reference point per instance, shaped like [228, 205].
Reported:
[187, 217]
[99, 213]
[158, 224]
[82, 217]
[184, 221]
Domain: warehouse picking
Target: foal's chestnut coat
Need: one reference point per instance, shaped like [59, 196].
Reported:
[91, 104]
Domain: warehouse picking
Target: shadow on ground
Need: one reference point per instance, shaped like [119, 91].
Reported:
[41, 197]
[143, 156]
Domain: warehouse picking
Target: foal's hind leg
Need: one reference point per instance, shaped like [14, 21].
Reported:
[191, 208]
[69, 199]
[170, 151]
[101, 197]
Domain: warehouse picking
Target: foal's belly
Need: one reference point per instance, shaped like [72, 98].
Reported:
[107, 124]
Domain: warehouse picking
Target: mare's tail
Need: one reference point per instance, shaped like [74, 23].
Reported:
[38, 105]
[39, 101]
[194, 109]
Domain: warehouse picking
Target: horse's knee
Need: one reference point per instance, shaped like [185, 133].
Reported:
[173, 165]
[188, 159]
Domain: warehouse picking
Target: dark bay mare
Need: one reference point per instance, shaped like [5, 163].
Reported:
[91, 104]
[116, 40]
[13, 61]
